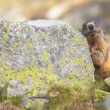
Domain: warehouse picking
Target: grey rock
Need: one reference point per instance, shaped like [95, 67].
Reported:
[107, 81]
[16, 88]
[36, 55]
[107, 103]
[101, 99]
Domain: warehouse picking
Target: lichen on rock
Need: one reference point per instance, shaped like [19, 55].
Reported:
[41, 54]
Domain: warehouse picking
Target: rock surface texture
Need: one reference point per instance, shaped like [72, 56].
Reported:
[36, 55]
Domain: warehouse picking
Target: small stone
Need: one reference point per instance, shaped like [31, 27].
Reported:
[16, 88]
[107, 81]
[107, 103]
[99, 97]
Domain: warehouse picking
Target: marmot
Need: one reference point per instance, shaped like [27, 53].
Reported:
[99, 49]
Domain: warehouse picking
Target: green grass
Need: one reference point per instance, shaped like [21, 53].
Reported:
[16, 100]
[58, 97]
[101, 85]
[63, 98]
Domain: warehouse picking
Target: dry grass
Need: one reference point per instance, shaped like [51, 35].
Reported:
[8, 105]
[61, 98]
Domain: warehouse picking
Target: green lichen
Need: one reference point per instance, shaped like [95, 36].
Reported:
[5, 37]
[100, 91]
[17, 44]
[43, 77]
[2, 53]
[35, 105]
[35, 73]
[6, 27]
[43, 35]
[77, 39]
[29, 44]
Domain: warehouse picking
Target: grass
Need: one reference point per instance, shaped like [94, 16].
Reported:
[17, 100]
[101, 85]
[9, 103]
[63, 98]
[58, 97]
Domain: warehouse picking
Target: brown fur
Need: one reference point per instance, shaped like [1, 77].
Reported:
[100, 53]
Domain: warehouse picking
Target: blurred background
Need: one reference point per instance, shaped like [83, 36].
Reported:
[74, 12]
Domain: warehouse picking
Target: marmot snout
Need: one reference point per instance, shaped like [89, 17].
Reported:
[99, 49]
[91, 28]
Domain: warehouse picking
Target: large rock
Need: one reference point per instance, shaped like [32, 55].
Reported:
[39, 54]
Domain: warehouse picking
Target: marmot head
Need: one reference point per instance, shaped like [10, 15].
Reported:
[91, 28]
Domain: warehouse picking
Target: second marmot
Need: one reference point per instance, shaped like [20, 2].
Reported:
[99, 48]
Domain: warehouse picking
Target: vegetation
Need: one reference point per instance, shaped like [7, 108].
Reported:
[9, 103]
[61, 98]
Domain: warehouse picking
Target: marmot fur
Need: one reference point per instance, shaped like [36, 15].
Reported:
[99, 49]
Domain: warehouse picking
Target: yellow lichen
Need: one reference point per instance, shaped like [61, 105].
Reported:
[5, 37]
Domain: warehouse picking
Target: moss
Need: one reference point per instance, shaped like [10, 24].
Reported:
[99, 96]
[40, 105]
[35, 105]
[99, 93]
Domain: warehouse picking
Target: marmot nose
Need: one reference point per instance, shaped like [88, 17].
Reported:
[91, 27]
